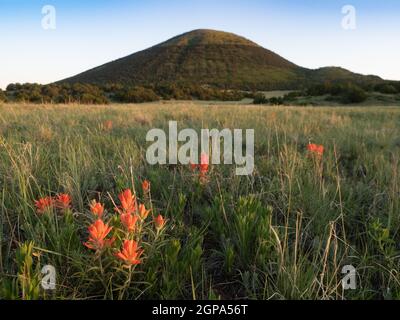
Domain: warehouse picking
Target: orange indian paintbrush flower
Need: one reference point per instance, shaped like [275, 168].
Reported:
[44, 204]
[203, 167]
[129, 221]
[159, 222]
[204, 163]
[97, 208]
[143, 213]
[315, 148]
[146, 186]
[128, 202]
[130, 253]
[63, 201]
[98, 232]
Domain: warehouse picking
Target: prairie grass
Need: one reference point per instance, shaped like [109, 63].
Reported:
[285, 232]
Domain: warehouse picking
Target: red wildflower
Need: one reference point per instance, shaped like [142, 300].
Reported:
[203, 166]
[130, 253]
[129, 221]
[44, 204]
[128, 201]
[146, 186]
[143, 213]
[159, 221]
[63, 201]
[204, 163]
[97, 208]
[317, 149]
[98, 232]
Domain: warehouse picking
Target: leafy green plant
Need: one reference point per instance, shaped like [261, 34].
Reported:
[26, 285]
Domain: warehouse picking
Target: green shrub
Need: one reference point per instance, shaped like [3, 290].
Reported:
[276, 101]
[259, 98]
[136, 95]
[386, 88]
[354, 94]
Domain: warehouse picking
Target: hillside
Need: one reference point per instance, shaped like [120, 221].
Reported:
[214, 58]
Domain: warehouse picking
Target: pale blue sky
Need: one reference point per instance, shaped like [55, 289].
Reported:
[90, 33]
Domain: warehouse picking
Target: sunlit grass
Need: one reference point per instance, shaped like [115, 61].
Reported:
[284, 232]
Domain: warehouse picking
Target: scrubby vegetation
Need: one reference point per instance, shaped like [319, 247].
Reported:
[388, 87]
[346, 93]
[91, 94]
[338, 93]
[136, 95]
[335, 93]
[325, 193]
[54, 93]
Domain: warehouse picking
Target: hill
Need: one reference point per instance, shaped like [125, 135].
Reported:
[214, 58]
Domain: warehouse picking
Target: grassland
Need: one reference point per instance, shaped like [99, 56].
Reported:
[283, 233]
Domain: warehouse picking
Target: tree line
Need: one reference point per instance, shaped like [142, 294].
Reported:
[92, 94]
[345, 93]
[80, 93]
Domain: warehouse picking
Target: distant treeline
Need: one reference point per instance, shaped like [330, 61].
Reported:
[92, 94]
[345, 93]
[65, 93]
